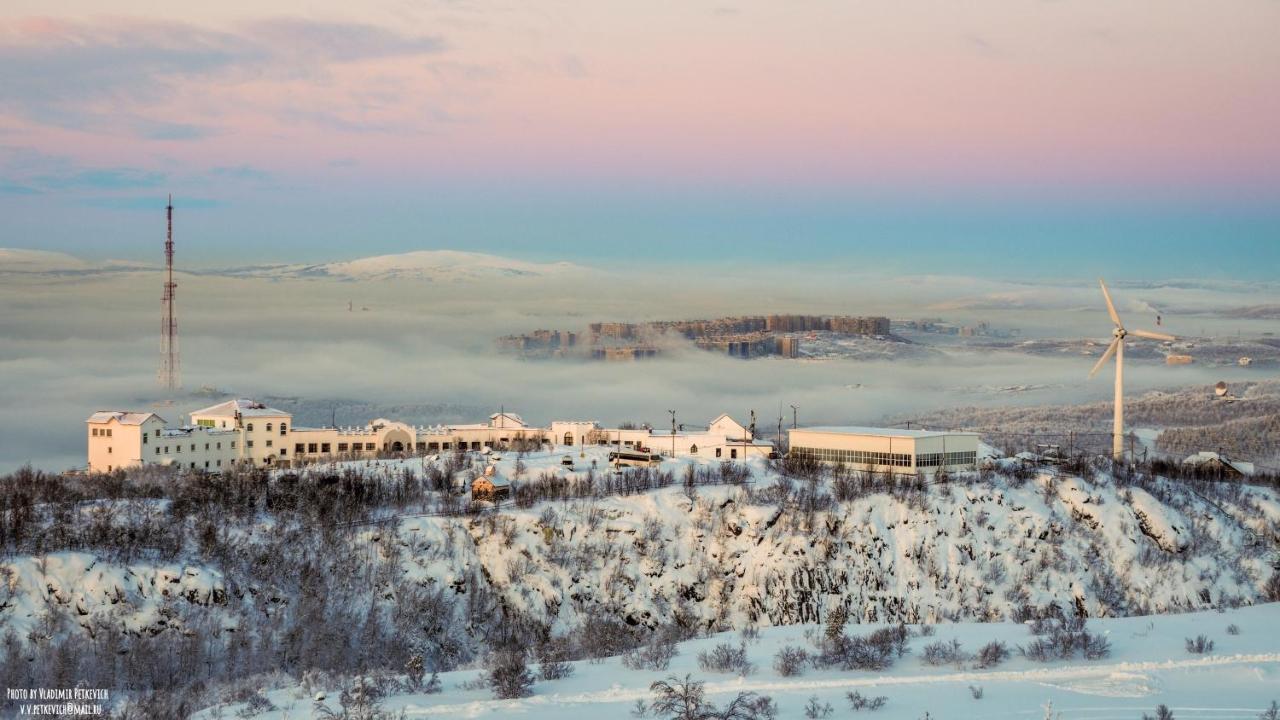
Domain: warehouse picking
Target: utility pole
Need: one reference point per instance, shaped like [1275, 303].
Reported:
[673, 433]
[793, 416]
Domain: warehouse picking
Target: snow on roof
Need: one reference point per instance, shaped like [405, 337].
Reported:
[509, 416]
[1204, 456]
[246, 408]
[880, 432]
[124, 417]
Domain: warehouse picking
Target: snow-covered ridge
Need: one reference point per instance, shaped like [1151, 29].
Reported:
[423, 265]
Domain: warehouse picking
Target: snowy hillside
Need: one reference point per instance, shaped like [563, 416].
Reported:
[1148, 665]
[422, 265]
[362, 565]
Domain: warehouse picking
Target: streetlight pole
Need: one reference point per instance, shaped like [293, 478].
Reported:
[793, 416]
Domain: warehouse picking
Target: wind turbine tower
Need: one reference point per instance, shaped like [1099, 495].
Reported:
[1119, 333]
[169, 375]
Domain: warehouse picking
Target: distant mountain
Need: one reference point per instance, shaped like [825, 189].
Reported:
[31, 261]
[424, 265]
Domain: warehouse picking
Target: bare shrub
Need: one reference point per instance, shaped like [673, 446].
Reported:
[726, 658]
[508, 674]
[858, 701]
[942, 653]
[976, 691]
[654, 655]
[817, 709]
[991, 654]
[790, 661]
[1199, 645]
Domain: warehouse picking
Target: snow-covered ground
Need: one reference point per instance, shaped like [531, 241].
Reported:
[1148, 665]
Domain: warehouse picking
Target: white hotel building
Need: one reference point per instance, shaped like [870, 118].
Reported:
[248, 432]
[887, 449]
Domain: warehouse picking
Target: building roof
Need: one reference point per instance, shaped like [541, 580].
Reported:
[1202, 457]
[879, 432]
[246, 408]
[498, 417]
[124, 417]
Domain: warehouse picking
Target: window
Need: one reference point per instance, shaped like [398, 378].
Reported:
[94, 432]
[157, 451]
[433, 447]
[368, 446]
[219, 463]
[733, 452]
[144, 439]
[233, 444]
[422, 447]
[207, 423]
[324, 448]
[108, 432]
[693, 449]
[298, 449]
[206, 446]
[206, 464]
[108, 449]
[219, 446]
[719, 451]
[311, 447]
[268, 443]
[283, 428]
[854, 457]
[342, 447]
[568, 438]
[157, 432]
[193, 447]
[166, 449]
[447, 446]
[268, 427]
[177, 448]
[248, 443]
[282, 452]
[249, 427]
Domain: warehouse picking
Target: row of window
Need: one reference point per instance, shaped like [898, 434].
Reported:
[853, 457]
[104, 432]
[178, 448]
[951, 458]
[284, 428]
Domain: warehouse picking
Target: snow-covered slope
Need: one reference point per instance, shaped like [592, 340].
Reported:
[423, 265]
[1148, 665]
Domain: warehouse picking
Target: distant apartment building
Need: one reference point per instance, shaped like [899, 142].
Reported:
[625, 353]
[544, 340]
[788, 347]
[244, 432]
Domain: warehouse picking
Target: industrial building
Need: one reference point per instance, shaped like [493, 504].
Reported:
[886, 449]
[247, 432]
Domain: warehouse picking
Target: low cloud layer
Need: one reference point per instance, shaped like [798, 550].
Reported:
[77, 343]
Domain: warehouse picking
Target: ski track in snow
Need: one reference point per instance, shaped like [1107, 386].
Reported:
[1047, 676]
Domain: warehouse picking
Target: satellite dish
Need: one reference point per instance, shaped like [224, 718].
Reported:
[1220, 389]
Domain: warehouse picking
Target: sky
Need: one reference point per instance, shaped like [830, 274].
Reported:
[1062, 137]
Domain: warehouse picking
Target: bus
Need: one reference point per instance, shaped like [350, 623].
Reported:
[634, 458]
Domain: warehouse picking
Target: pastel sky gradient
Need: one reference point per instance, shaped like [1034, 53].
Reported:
[581, 129]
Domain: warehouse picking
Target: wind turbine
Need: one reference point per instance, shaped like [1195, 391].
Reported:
[1117, 348]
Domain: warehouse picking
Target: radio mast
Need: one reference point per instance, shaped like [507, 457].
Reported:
[169, 376]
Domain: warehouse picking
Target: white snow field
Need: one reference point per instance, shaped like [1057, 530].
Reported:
[1148, 666]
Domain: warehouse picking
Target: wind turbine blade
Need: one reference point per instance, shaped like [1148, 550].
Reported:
[1111, 350]
[1152, 335]
[1111, 308]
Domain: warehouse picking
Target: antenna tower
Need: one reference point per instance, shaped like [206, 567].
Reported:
[168, 376]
